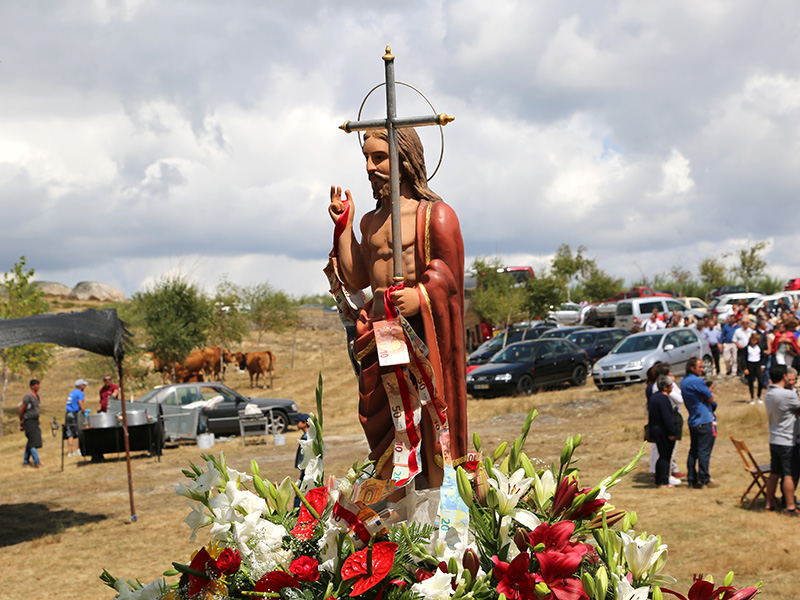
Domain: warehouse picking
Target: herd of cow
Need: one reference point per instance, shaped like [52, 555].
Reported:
[205, 363]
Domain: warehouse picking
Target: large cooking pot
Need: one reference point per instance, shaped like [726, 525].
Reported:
[136, 417]
[102, 420]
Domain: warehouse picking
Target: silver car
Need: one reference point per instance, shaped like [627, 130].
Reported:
[630, 360]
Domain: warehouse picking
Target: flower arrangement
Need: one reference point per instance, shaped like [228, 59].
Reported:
[500, 528]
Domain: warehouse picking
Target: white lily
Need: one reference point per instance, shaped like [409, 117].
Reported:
[152, 591]
[327, 544]
[641, 554]
[437, 587]
[509, 489]
[505, 540]
[197, 518]
[543, 487]
[625, 591]
[311, 463]
[208, 480]
[238, 476]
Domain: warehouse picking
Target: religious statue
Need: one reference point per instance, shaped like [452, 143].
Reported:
[419, 417]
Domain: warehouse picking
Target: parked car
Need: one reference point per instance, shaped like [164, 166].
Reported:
[726, 289]
[525, 367]
[600, 315]
[695, 305]
[635, 311]
[723, 305]
[770, 303]
[562, 332]
[568, 313]
[597, 342]
[491, 347]
[223, 417]
[629, 361]
[792, 285]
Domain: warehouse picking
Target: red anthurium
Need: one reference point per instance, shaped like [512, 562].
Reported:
[275, 581]
[470, 465]
[202, 562]
[513, 578]
[304, 529]
[369, 575]
[305, 568]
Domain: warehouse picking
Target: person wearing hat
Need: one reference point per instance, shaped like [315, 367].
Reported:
[109, 390]
[75, 407]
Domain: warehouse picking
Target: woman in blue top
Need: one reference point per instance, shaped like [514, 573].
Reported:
[662, 428]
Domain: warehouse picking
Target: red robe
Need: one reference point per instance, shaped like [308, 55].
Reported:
[439, 255]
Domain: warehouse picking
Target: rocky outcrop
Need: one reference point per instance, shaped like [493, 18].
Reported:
[93, 290]
[51, 288]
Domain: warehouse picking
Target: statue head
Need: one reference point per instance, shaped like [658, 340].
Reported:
[412, 161]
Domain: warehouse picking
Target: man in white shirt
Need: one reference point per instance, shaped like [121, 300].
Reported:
[741, 337]
[654, 322]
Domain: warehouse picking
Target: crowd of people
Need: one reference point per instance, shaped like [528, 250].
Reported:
[75, 411]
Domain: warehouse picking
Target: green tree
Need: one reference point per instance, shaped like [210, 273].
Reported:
[681, 279]
[228, 322]
[267, 309]
[176, 316]
[541, 294]
[597, 285]
[751, 265]
[496, 297]
[22, 299]
[566, 266]
[712, 271]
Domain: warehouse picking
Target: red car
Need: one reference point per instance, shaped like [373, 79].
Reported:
[793, 284]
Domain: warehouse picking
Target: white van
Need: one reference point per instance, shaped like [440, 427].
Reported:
[771, 302]
[633, 312]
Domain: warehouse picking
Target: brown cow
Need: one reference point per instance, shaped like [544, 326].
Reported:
[212, 363]
[257, 364]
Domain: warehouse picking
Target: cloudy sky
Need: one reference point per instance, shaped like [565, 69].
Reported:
[140, 137]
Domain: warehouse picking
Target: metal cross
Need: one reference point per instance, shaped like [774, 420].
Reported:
[392, 123]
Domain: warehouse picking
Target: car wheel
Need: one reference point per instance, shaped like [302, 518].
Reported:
[579, 376]
[280, 421]
[525, 386]
[708, 365]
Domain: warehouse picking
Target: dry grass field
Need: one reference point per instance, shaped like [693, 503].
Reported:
[59, 529]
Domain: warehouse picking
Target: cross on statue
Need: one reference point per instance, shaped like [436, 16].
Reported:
[392, 123]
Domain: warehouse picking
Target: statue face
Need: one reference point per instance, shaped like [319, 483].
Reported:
[376, 152]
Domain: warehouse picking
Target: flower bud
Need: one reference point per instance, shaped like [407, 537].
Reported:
[254, 466]
[476, 441]
[471, 562]
[499, 451]
[588, 584]
[541, 589]
[464, 486]
[601, 583]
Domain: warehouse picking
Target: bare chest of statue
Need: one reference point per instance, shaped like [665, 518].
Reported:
[378, 237]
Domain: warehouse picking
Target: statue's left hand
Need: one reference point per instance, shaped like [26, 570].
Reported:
[406, 301]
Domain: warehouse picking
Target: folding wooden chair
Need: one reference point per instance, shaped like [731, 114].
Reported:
[758, 472]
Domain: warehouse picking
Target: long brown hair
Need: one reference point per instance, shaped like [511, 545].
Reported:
[412, 160]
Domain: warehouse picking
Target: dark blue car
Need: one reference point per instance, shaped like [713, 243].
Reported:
[598, 342]
[525, 367]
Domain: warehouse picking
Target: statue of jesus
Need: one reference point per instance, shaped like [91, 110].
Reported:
[432, 301]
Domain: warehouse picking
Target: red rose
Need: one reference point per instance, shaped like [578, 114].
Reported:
[228, 561]
[305, 568]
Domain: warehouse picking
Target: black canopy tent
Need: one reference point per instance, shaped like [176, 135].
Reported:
[98, 331]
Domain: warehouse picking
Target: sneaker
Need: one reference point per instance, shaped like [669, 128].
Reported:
[760, 401]
[752, 402]
[673, 481]
[792, 512]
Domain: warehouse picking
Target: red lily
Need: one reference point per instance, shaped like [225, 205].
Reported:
[369, 575]
[556, 538]
[565, 493]
[304, 529]
[557, 570]
[513, 578]
[704, 590]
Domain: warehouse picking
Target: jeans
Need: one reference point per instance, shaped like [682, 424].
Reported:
[665, 447]
[702, 443]
[30, 453]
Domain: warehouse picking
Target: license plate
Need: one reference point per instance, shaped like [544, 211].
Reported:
[615, 374]
[481, 386]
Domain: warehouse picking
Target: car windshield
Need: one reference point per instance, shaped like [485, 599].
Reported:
[638, 343]
[515, 354]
